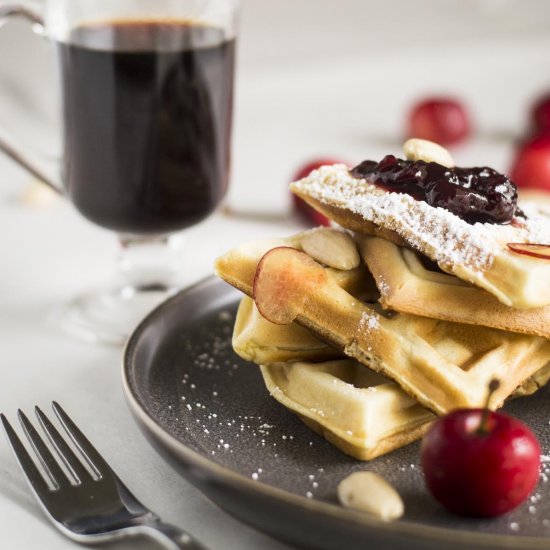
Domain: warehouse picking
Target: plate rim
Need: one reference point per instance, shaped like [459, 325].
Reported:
[224, 474]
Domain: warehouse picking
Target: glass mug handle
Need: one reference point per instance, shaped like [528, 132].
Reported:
[29, 12]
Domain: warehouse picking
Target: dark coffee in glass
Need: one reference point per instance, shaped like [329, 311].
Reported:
[147, 122]
[147, 90]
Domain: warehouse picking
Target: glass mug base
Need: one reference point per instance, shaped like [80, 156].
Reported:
[149, 270]
[109, 316]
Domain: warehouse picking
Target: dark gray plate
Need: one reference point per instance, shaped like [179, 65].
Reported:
[208, 413]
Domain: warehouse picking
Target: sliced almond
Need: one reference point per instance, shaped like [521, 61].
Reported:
[369, 492]
[331, 247]
[428, 151]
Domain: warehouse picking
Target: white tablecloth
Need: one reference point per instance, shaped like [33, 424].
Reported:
[346, 100]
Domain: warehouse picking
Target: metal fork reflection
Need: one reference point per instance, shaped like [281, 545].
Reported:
[86, 500]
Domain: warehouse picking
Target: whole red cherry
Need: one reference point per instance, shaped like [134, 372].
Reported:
[440, 119]
[531, 167]
[540, 114]
[308, 213]
[479, 463]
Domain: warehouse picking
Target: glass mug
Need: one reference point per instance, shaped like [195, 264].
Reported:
[147, 94]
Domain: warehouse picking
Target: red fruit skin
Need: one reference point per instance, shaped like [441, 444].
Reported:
[443, 120]
[308, 213]
[540, 251]
[540, 114]
[480, 475]
[531, 167]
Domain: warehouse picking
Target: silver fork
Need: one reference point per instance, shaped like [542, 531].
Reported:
[88, 505]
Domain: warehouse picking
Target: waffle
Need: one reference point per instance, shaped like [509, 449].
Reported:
[238, 266]
[256, 339]
[359, 411]
[442, 365]
[408, 286]
[475, 253]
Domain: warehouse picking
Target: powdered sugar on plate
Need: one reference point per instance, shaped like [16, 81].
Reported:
[436, 232]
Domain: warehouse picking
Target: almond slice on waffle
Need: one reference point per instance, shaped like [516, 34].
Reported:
[408, 286]
[238, 266]
[476, 253]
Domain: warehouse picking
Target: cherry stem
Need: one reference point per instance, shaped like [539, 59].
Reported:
[483, 429]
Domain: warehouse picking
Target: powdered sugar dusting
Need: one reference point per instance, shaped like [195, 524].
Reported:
[368, 322]
[436, 232]
[382, 285]
[537, 224]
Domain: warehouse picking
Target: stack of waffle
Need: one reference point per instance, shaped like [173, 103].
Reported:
[368, 330]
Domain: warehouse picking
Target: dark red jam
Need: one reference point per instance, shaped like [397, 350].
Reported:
[478, 194]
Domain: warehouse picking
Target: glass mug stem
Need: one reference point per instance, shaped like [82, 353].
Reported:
[147, 263]
[147, 271]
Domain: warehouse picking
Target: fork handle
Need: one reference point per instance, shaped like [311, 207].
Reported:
[171, 537]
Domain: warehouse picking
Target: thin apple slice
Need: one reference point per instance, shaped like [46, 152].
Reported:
[284, 279]
[541, 251]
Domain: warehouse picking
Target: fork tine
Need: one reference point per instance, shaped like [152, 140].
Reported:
[51, 466]
[71, 461]
[90, 453]
[25, 461]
